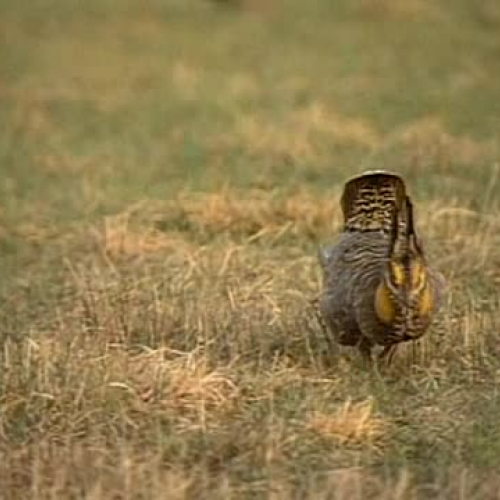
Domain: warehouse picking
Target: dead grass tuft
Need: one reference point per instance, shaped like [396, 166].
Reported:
[353, 423]
[121, 236]
[184, 384]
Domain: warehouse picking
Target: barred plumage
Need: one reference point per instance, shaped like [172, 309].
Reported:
[377, 286]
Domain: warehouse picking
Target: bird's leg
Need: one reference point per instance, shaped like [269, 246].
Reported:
[365, 348]
[388, 353]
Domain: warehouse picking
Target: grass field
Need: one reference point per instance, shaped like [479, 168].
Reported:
[168, 171]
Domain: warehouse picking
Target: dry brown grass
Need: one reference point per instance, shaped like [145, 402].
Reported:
[207, 358]
[245, 217]
[353, 423]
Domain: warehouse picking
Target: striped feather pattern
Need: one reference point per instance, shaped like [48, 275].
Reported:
[377, 286]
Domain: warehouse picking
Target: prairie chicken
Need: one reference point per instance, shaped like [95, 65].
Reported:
[378, 288]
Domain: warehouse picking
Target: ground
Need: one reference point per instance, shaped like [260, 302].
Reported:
[169, 169]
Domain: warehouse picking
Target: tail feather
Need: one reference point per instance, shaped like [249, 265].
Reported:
[404, 242]
[370, 201]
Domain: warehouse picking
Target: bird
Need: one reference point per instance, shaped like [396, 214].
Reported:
[378, 287]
